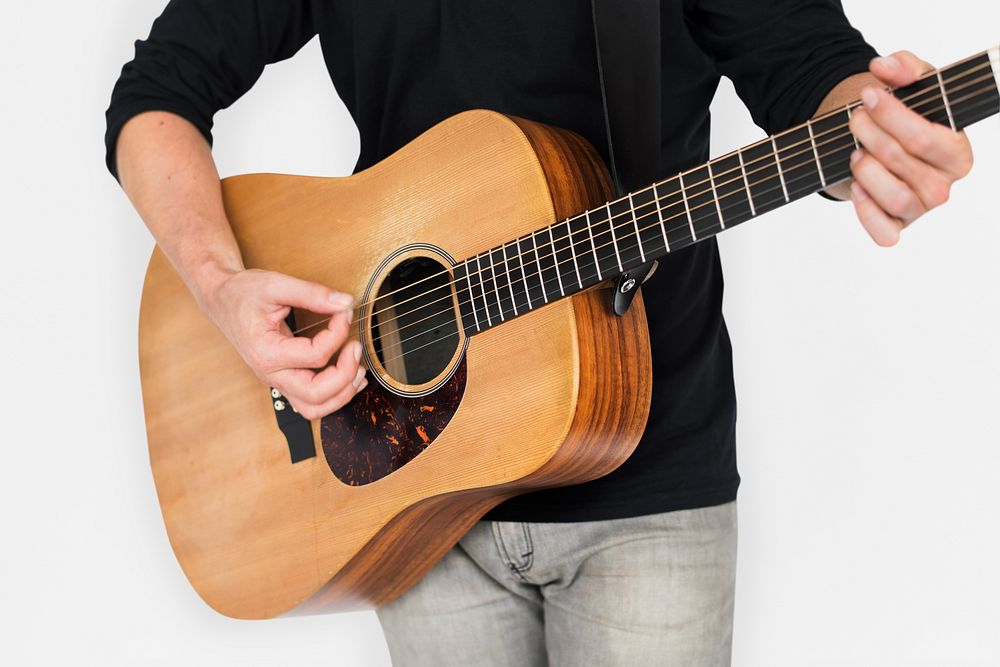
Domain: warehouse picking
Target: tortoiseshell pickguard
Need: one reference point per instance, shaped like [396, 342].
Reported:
[379, 432]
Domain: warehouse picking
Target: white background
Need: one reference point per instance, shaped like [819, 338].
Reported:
[867, 381]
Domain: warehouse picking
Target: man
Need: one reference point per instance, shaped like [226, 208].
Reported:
[637, 567]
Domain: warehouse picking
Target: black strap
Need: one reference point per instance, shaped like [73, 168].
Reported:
[627, 33]
[628, 61]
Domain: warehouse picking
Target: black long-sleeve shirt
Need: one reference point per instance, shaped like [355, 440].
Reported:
[401, 66]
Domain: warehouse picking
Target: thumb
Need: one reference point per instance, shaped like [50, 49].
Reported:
[900, 69]
[288, 291]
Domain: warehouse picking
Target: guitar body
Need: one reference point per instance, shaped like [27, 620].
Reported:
[557, 396]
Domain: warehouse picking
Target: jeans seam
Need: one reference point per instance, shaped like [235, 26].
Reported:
[502, 548]
[529, 556]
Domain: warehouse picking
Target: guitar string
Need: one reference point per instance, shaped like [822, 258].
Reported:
[512, 302]
[708, 227]
[542, 281]
[930, 78]
[711, 225]
[628, 213]
[935, 97]
[555, 266]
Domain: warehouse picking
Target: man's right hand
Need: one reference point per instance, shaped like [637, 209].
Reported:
[166, 168]
[250, 308]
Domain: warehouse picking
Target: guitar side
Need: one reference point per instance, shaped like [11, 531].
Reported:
[556, 397]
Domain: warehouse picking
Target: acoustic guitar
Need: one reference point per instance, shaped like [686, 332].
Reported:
[496, 366]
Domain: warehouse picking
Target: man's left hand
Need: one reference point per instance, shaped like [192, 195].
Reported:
[908, 164]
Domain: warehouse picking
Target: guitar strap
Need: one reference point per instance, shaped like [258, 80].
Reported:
[627, 33]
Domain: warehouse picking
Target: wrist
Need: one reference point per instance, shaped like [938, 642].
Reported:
[207, 282]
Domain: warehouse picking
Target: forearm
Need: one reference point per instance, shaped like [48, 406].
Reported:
[167, 171]
[166, 168]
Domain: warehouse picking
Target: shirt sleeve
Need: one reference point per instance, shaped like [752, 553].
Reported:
[201, 56]
[783, 56]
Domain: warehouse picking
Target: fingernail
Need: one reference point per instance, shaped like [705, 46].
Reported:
[350, 316]
[360, 376]
[888, 62]
[855, 156]
[341, 300]
[364, 383]
[357, 352]
[869, 97]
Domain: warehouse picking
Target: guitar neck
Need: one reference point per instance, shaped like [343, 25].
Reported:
[575, 254]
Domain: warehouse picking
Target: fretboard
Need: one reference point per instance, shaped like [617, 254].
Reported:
[586, 249]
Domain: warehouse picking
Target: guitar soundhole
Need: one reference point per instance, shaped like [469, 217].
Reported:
[415, 349]
[414, 332]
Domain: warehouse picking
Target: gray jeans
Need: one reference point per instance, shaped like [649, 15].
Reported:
[650, 590]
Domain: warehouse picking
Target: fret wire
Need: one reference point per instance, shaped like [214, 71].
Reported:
[448, 335]
[834, 138]
[803, 162]
[993, 58]
[829, 132]
[709, 226]
[781, 174]
[973, 95]
[792, 146]
[524, 276]
[611, 226]
[538, 261]
[746, 184]
[496, 285]
[793, 180]
[555, 260]
[831, 140]
[966, 73]
[510, 283]
[985, 65]
[647, 215]
[597, 262]
[850, 111]
[572, 249]
[843, 134]
[482, 288]
[687, 209]
[947, 104]
[715, 196]
[819, 165]
[472, 296]
[635, 223]
[659, 214]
